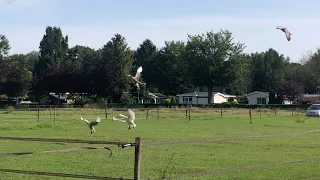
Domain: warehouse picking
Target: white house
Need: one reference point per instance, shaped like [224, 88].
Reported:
[258, 97]
[154, 98]
[202, 98]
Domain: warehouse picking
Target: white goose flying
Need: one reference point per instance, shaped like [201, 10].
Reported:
[136, 78]
[286, 31]
[128, 119]
[92, 123]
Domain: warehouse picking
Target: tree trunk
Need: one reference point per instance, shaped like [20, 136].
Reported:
[210, 87]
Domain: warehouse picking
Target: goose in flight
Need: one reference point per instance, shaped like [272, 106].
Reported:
[136, 78]
[285, 30]
[92, 123]
[128, 119]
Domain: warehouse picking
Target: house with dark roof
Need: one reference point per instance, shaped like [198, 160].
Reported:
[202, 98]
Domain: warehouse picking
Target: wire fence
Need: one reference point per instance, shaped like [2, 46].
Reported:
[55, 114]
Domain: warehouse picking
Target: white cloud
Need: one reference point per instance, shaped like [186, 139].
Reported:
[257, 34]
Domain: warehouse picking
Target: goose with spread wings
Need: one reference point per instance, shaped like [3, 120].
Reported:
[128, 119]
[136, 78]
[286, 31]
[92, 123]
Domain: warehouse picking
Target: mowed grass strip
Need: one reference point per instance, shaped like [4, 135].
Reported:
[172, 125]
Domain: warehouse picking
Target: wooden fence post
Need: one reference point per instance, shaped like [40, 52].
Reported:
[147, 115]
[186, 112]
[105, 112]
[189, 113]
[260, 112]
[54, 114]
[220, 113]
[137, 156]
[112, 114]
[158, 113]
[38, 113]
[250, 116]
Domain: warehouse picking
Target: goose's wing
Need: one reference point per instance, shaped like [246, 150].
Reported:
[85, 120]
[98, 119]
[118, 119]
[138, 74]
[131, 114]
[288, 35]
[123, 116]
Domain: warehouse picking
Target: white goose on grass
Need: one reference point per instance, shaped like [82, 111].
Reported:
[128, 119]
[92, 124]
[136, 78]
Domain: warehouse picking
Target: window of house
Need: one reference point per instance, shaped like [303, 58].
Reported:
[187, 100]
[261, 101]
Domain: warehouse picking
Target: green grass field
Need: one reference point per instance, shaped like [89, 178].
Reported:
[226, 147]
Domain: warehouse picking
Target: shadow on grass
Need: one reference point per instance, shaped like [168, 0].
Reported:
[56, 174]
[62, 140]
[50, 151]
[60, 143]
[14, 154]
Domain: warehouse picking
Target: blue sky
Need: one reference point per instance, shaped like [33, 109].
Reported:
[93, 23]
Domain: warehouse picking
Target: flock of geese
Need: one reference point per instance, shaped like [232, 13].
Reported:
[136, 80]
[131, 115]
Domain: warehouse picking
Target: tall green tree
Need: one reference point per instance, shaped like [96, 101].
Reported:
[4, 50]
[83, 60]
[240, 70]
[4, 46]
[145, 56]
[267, 73]
[32, 59]
[18, 77]
[311, 72]
[49, 70]
[171, 69]
[208, 56]
[144, 53]
[113, 66]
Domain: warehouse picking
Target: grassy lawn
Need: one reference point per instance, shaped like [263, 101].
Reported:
[186, 159]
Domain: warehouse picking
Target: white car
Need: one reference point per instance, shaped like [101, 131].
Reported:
[313, 110]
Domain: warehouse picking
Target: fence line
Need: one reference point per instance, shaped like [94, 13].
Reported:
[191, 113]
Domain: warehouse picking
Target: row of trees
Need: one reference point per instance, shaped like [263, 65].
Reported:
[211, 61]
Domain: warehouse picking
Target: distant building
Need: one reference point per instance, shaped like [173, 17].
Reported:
[257, 97]
[202, 98]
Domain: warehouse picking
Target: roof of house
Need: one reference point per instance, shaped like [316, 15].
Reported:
[62, 97]
[157, 95]
[3, 96]
[204, 94]
[311, 95]
[259, 92]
